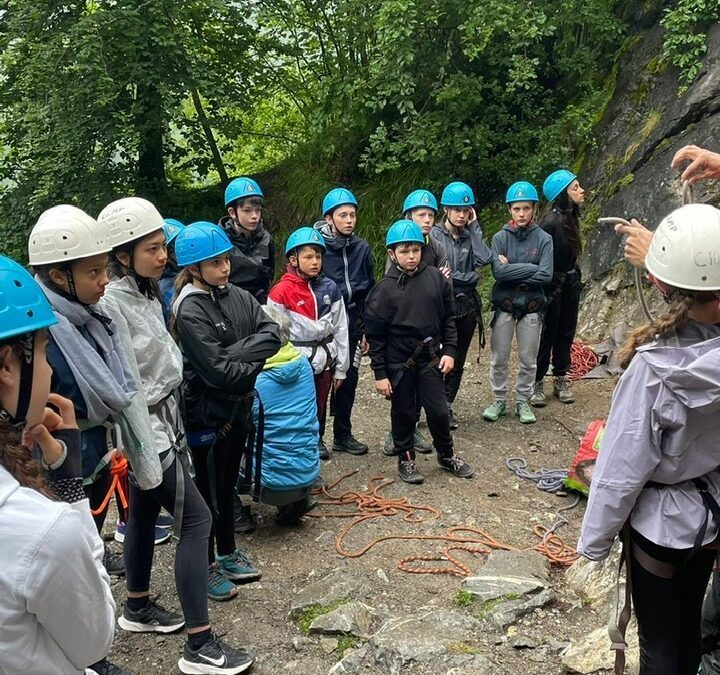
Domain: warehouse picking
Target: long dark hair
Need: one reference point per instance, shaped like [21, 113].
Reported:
[147, 286]
[14, 456]
[569, 211]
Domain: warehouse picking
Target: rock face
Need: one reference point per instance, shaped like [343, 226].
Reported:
[628, 174]
[431, 641]
[509, 573]
[593, 653]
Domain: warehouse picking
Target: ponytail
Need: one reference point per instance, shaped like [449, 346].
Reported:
[182, 279]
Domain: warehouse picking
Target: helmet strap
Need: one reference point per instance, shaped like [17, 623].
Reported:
[27, 360]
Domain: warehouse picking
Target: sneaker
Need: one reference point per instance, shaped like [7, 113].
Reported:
[152, 618]
[495, 411]
[351, 445]
[322, 449]
[105, 667]
[561, 389]
[237, 567]
[456, 465]
[389, 448]
[113, 563]
[219, 586]
[453, 421]
[538, 400]
[421, 444]
[165, 520]
[408, 471]
[215, 658]
[162, 534]
[525, 413]
[244, 521]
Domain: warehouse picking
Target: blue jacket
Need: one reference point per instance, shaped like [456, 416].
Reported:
[348, 262]
[290, 452]
[167, 291]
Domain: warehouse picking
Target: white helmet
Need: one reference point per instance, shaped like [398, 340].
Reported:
[685, 249]
[130, 218]
[64, 233]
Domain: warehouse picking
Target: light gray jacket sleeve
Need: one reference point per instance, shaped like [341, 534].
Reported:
[630, 451]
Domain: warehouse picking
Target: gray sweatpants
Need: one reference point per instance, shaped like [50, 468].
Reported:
[528, 331]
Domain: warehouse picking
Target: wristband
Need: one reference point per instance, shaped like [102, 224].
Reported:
[60, 461]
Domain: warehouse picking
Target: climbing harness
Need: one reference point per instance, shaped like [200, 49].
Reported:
[371, 504]
[314, 345]
[687, 198]
[401, 368]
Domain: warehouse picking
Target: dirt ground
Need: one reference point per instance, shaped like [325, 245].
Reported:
[494, 500]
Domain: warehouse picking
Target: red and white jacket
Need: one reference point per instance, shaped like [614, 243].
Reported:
[317, 313]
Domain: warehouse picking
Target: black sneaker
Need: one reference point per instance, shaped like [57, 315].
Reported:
[113, 563]
[105, 667]
[214, 657]
[350, 445]
[244, 521]
[453, 421]
[457, 466]
[152, 618]
[322, 449]
[408, 471]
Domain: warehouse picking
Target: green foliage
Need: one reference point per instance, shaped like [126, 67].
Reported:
[464, 598]
[463, 648]
[345, 642]
[685, 39]
[309, 614]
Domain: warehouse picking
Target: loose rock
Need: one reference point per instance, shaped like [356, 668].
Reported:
[510, 612]
[340, 584]
[354, 618]
[509, 573]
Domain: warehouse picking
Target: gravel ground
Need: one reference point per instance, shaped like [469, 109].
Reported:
[494, 500]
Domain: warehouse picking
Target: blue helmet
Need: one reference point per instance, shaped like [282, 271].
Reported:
[404, 232]
[337, 197]
[200, 241]
[457, 194]
[242, 187]
[304, 236]
[172, 228]
[522, 191]
[556, 182]
[420, 199]
[23, 306]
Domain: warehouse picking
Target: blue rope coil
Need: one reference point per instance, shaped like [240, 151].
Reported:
[547, 480]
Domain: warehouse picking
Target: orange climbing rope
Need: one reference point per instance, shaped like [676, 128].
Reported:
[371, 504]
[119, 471]
[582, 360]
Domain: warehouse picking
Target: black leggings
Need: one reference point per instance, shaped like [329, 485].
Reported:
[227, 456]
[668, 611]
[466, 327]
[191, 570]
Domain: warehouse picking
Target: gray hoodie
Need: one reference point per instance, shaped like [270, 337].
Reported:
[663, 427]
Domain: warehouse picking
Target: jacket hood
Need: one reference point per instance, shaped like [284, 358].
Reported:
[520, 233]
[8, 485]
[689, 365]
[228, 224]
[401, 278]
[187, 290]
[331, 241]
[285, 365]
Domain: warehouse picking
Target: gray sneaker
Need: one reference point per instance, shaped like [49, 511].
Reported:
[495, 411]
[421, 444]
[561, 389]
[538, 400]
[525, 413]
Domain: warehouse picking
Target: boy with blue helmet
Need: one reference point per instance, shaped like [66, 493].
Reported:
[522, 265]
[462, 237]
[409, 322]
[253, 254]
[348, 262]
[319, 327]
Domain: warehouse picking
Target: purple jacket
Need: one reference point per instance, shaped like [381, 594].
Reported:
[663, 426]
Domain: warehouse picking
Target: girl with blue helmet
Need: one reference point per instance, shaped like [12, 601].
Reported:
[225, 338]
[56, 593]
[562, 189]
[166, 282]
[462, 237]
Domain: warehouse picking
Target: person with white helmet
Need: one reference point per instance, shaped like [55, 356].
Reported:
[410, 324]
[460, 233]
[56, 608]
[225, 338]
[253, 254]
[137, 261]
[657, 468]
[522, 267]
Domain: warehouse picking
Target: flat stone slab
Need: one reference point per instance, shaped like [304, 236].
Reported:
[354, 618]
[340, 584]
[509, 573]
[508, 613]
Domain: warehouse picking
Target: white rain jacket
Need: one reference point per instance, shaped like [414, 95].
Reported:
[57, 614]
[664, 426]
[154, 357]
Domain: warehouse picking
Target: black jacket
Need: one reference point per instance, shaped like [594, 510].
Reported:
[225, 343]
[252, 259]
[402, 311]
[566, 248]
